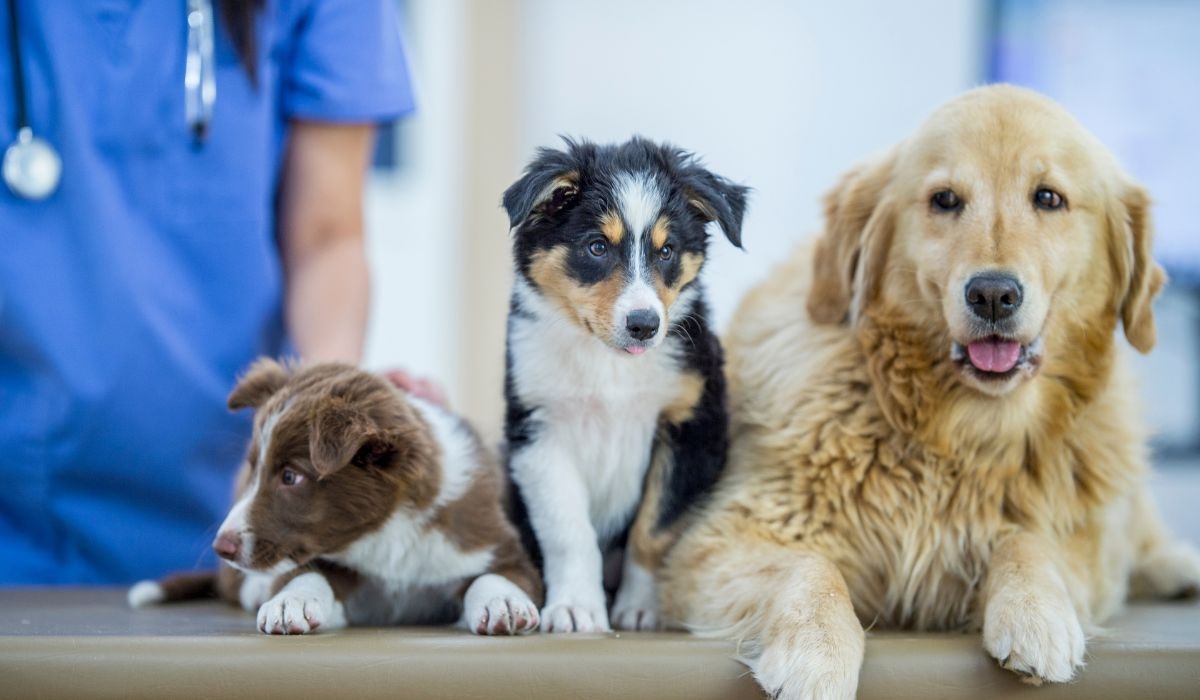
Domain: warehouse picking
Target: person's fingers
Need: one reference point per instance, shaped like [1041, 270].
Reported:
[420, 387]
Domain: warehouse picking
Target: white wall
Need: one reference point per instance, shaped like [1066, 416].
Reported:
[413, 221]
[782, 96]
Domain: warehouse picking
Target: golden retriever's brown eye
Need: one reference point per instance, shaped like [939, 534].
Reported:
[1046, 198]
[946, 200]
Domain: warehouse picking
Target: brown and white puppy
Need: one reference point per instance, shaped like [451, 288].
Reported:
[361, 505]
[932, 423]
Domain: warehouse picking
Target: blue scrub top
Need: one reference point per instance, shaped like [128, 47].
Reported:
[131, 298]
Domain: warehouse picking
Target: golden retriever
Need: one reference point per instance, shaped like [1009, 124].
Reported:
[933, 426]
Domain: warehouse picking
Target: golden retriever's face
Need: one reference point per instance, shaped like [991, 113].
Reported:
[1005, 226]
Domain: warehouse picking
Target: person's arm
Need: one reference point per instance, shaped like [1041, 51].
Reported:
[326, 278]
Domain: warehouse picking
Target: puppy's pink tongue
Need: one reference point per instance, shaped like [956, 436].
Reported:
[994, 355]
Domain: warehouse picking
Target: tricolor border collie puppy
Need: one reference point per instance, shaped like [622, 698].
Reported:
[361, 505]
[616, 422]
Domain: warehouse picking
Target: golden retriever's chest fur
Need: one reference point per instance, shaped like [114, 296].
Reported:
[909, 515]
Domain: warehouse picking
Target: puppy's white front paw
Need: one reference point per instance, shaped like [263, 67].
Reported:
[636, 619]
[494, 605]
[636, 604]
[291, 612]
[574, 617]
[1036, 635]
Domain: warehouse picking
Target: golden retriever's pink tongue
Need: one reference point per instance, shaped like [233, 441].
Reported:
[994, 355]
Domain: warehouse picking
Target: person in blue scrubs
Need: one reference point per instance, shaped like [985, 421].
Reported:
[164, 263]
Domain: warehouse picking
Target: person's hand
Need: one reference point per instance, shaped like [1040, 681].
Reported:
[419, 387]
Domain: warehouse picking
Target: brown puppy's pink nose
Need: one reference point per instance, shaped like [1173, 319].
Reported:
[227, 545]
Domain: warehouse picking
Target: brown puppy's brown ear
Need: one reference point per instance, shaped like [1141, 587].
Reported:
[338, 433]
[1132, 236]
[259, 383]
[849, 255]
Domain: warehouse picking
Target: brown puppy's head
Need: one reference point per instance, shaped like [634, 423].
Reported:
[335, 451]
[1004, 228]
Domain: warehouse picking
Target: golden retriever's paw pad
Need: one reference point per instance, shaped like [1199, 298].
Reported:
[1038, 638]
[809, 668]
[1172, 571]
[291, 613]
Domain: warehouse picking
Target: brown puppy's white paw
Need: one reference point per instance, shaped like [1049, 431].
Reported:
[305, 604]
[291, 613]
[494, 605]
[1036, 635]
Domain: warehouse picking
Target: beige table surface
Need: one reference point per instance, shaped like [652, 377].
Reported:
[72, 642]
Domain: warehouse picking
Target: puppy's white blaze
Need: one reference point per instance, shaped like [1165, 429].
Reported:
[145, 593]
[264, 435]
[640, 201]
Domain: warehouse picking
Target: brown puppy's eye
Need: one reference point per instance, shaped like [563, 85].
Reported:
[946, 200]
[666, 252]
[598, 248]
[1046, 198]
[291, 477]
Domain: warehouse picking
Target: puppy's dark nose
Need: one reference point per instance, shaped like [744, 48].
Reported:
[642, 323]
[993, 297]
[227, 545]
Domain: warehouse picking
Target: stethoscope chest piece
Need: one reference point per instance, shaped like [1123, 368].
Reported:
[32, 168]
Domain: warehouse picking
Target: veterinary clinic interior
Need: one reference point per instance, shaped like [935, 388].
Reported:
[375, 348]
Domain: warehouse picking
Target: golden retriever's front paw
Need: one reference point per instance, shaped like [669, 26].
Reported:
[815, 662]
[1035, 635]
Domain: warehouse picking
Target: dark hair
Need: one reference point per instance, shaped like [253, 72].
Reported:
[239, 17]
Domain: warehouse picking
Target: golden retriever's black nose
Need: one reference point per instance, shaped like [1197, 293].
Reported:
[642, 323]
[993, 297]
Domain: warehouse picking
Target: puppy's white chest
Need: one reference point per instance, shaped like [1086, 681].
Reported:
[597, 410]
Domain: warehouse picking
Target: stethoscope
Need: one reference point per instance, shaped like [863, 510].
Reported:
[32, 167]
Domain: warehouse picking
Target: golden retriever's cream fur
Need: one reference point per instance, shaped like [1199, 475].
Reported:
[876, 478]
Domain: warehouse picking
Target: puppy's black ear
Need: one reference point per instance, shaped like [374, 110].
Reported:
[715, 199]
[550, 185]
[259, 383]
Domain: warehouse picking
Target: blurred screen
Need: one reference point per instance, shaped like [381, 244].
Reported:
[1130, 71]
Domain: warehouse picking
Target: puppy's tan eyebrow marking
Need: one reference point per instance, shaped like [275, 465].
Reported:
[612, 228]
[658, 234]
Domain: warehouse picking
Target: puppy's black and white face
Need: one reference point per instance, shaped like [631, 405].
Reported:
[616, 235]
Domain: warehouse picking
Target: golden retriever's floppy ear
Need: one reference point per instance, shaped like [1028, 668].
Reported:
[849, 255]
[261, 381]
[1132, 235]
